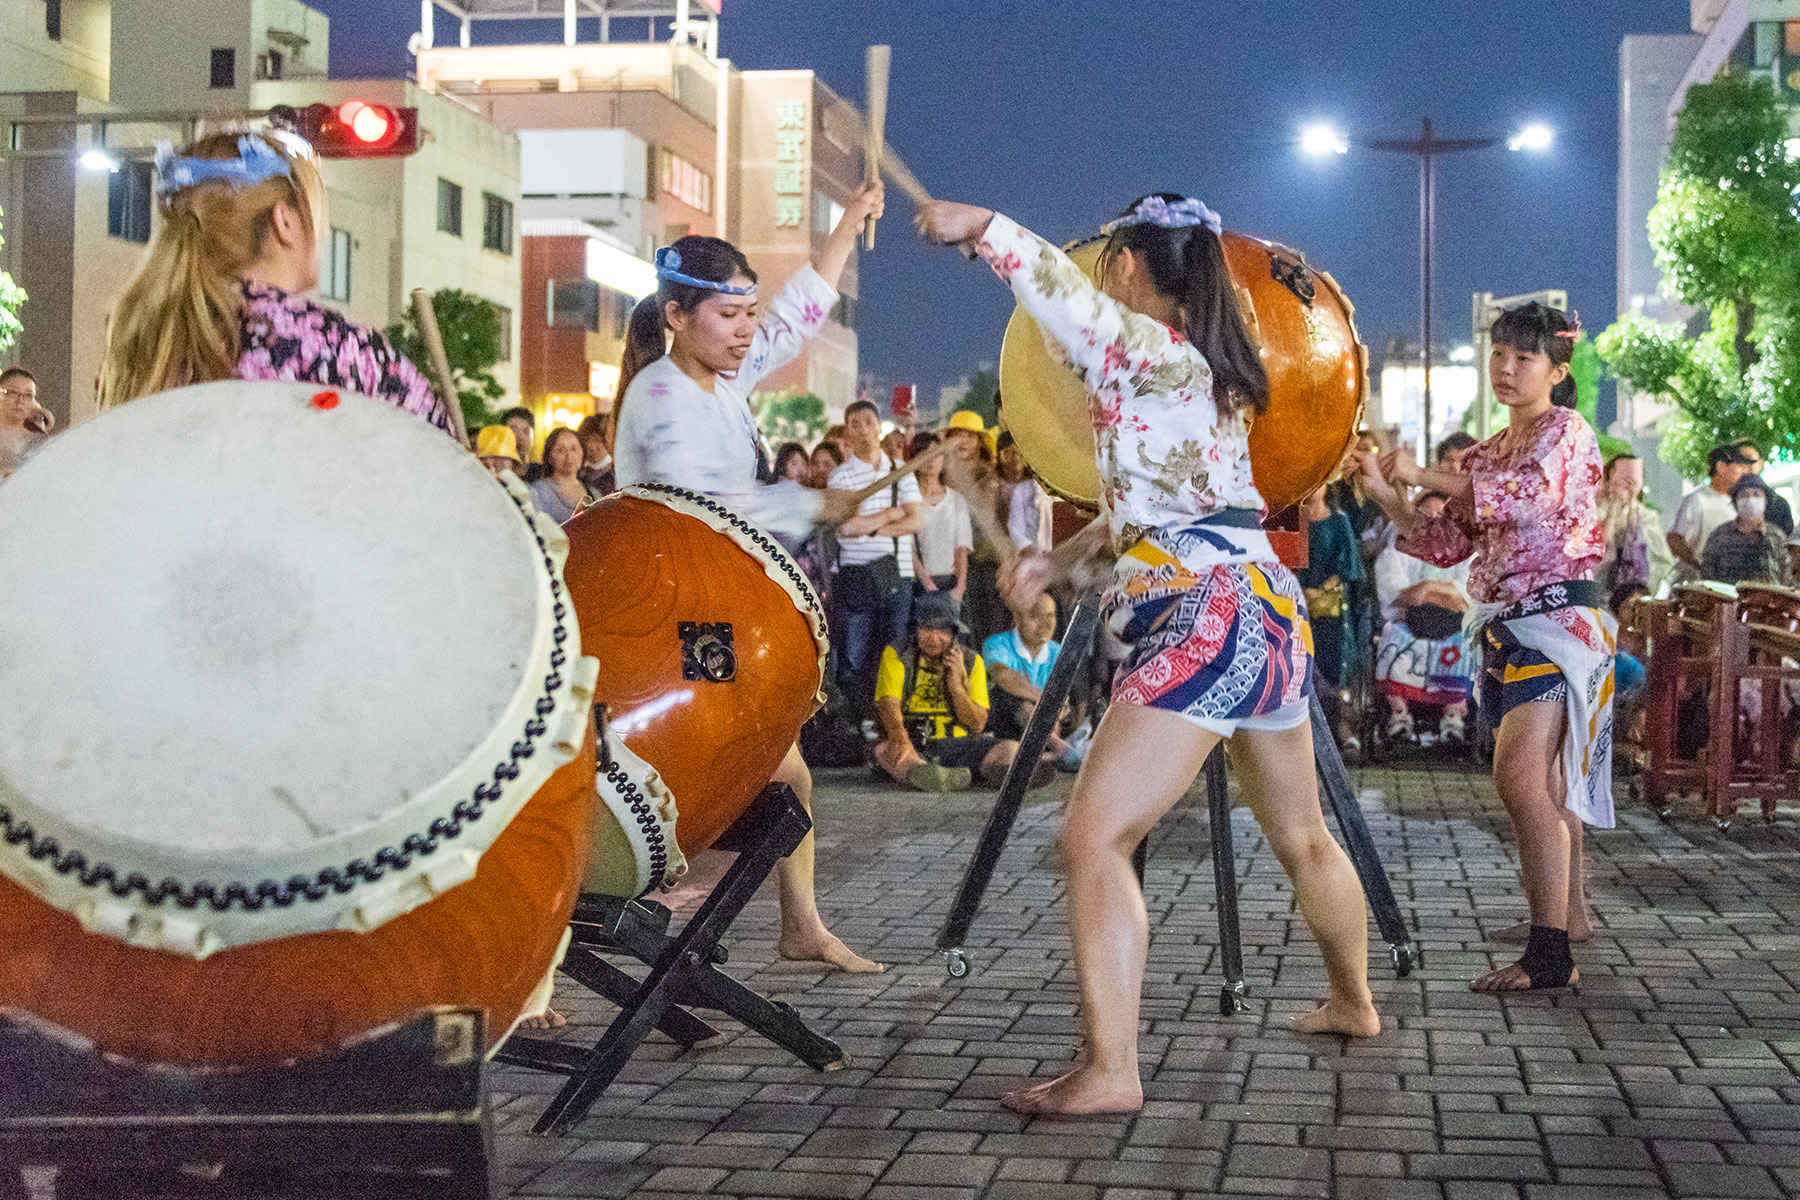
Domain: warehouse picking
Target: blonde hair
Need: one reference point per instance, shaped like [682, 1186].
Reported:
[179, 319]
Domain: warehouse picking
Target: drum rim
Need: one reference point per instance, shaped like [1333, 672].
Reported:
[197, 917]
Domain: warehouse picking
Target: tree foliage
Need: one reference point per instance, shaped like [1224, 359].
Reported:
[470, 327]
[1726, 229]
[784, 415]
[12, 299]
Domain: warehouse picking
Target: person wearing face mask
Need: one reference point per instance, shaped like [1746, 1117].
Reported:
[1749, 548]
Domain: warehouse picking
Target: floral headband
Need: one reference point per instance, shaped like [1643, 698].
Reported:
[256, 162]
[1154, 210]
[668, 266]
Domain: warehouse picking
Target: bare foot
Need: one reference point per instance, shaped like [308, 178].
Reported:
[1339, 1016]
[1083, 1090]
[1519, 934]
[826, 947]
[1512, 978]
[550, 1020]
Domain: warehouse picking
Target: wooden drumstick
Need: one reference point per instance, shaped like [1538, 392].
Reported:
[876, 68]
[426, 316]
[899, 473]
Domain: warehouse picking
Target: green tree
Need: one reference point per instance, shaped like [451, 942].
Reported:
[982, 394]
[1726, 229]
[12, 299]
[785, 415]
[470, 327]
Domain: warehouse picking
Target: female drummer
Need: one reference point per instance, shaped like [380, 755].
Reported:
[696, 348]
[220, 293]
[1216, 625]
[1526, 504]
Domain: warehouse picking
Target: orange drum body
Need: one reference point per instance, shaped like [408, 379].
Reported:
[483, 945]
[710, 643]
[1317, 368]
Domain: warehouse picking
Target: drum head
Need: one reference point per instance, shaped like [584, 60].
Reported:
[251, 641]
[1047, 406]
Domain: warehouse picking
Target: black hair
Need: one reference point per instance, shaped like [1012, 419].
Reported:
[788, 450]
[1432, 496]
[1454, 442]
[1539, 329]
[550, 441]
[1004, 441]
[647, 336]
[922, 441]
[17, 373]
[1615, 460]
[1720, 456]
[859, 406]
[519, 411]
[1188, 264]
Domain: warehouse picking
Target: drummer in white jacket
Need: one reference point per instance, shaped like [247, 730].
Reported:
[683, 418]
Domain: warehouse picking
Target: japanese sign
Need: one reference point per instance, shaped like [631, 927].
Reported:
[790, 164]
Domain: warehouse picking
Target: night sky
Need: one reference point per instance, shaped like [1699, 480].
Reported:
[1060, 114]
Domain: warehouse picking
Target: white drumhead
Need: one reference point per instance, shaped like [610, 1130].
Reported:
[250, 638]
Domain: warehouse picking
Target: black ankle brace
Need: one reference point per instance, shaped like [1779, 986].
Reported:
[1547, 960]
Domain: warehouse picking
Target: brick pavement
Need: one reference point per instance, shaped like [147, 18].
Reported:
[1674, 1071]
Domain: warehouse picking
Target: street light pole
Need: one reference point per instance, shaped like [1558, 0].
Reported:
[1426, 147]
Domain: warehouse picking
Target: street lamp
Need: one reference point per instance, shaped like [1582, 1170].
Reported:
[1318, 140]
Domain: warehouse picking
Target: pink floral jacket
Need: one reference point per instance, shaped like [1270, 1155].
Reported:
[1536, 518]
[288, 337]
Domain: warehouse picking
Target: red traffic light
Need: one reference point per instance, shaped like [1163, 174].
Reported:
[354, 129]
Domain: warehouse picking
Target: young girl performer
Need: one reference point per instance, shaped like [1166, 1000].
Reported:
[1526, 505]
[684, 419]
[220, 291]
[1216, 625]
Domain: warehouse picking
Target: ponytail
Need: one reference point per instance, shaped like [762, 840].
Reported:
[1539, 329]
[1187, 263]
[179, 319]
[647, 335]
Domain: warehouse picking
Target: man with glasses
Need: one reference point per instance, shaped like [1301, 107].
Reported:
[1778, 513]
[24, 423]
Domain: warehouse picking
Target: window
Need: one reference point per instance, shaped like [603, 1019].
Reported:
[337, 268]
[496, 223]
[683, 180]
[449, 207]
[128, 202]
[826, 214]
[505, 315]
[53, 20]
[224, 67]
[269, 64]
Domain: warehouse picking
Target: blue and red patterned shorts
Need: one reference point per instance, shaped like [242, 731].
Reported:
[1234, 650]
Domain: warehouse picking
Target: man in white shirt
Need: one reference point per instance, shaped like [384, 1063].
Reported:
[1704, 510]
[872, 590]
[1028, 509]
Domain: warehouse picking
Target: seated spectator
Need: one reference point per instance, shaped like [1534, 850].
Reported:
[1629, 675]
[1748, 548]
[931, 700]
[1019, 663]
[559, 491]
[1423, 656]
[596, 459]
[24, 423]
[498, 449]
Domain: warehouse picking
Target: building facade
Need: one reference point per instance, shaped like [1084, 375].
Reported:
[627, 146]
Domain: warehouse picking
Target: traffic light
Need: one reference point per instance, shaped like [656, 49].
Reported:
[353, 129]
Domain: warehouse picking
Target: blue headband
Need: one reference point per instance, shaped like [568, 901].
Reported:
[256, 161]
[1154, 210]
[668, 266]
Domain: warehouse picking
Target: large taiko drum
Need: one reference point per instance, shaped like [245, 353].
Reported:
[712, 649]
[1305, 329]
[298, 735]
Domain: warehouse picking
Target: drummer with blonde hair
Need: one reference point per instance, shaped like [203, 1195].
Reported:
[220, 293]
[1220, 648]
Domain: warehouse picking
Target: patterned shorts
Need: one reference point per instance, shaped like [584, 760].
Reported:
[1516, 675]
[1233, 651]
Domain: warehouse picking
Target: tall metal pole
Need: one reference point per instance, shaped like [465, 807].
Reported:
[1425, 181]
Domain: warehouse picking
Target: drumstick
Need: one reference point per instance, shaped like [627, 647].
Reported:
[440, 363]
[899, 473]
[876, 69]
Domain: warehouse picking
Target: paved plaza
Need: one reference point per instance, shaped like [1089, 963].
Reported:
[1673, 1071]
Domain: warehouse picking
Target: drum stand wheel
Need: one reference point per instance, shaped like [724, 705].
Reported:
[399, 1115]
[684, 970]
[956, 962]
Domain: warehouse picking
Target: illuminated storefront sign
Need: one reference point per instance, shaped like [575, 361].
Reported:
[790, 164]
